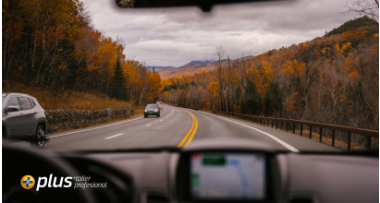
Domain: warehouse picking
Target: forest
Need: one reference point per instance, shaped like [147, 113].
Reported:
[51, 45]
[331, 79]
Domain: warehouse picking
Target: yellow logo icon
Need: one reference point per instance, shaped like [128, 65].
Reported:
[27, 182]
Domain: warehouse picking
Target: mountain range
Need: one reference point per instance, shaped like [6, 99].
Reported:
[190, 68]
[160, 68]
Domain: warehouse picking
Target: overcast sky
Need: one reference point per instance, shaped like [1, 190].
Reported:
[174, 37]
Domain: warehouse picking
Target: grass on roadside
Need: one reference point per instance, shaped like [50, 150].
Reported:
[75, 100]
[137, 112]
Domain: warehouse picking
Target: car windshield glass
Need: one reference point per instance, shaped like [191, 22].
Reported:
[297, 75]
[151, 106]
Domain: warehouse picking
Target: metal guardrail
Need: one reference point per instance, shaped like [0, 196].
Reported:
[321, 126]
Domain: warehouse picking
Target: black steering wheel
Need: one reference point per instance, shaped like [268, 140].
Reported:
[18, 162]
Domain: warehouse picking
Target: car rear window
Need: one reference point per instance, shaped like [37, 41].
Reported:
[25, 103]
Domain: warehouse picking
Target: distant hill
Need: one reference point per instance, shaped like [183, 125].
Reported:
[353, 24]
[190, 68]
[160, 68]
[205, 62]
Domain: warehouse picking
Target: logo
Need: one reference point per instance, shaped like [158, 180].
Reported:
[27, 182]
[52, 181]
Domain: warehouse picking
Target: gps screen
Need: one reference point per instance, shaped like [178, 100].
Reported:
[228, 176]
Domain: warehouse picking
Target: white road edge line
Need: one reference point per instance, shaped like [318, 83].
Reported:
[93, 128]
[286, 145]
[114, 136]
[148, 125]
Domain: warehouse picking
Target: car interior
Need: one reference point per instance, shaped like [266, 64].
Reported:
[230, 170]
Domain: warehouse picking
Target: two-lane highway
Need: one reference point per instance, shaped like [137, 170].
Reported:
[176, 127]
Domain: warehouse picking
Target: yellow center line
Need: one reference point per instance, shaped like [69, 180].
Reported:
[192, 134]
[193, 129]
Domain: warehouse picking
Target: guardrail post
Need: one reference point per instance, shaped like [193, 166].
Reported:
[311, 132]
[267, 123]
[320, 134]
[301, 129]
[333, 138]
[281, 125]
[272, 123]
[368, 142]
[348, 141]
[276, 124]
[294, 128]
[287, 126]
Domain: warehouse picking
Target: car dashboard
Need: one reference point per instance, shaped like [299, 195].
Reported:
[226, 171]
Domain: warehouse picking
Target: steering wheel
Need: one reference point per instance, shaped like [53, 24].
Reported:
[20, 161]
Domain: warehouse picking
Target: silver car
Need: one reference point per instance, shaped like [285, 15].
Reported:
[23, 119]
[151, 109]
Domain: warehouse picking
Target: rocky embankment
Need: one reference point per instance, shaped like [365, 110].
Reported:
[66, 119]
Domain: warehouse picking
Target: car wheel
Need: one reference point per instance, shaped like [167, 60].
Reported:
[40, 137]
[158, 115]
[145, 116]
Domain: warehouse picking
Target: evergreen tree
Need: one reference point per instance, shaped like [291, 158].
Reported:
[119, 88]
[154, 70]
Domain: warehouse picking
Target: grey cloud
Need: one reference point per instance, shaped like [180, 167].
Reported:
[166, 28]
[177, 36]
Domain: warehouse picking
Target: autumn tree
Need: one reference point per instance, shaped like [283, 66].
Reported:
[261, 77]
[119, 88]
[220, 53]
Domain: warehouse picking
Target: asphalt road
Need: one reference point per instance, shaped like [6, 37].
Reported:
[176, 127]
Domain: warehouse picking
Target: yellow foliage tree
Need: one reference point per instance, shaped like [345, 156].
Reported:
[262, 75]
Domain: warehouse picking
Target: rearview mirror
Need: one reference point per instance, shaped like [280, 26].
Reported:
[205, 5]
[11, 108]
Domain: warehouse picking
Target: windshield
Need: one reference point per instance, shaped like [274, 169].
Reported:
[151, 106]
[295, 75]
